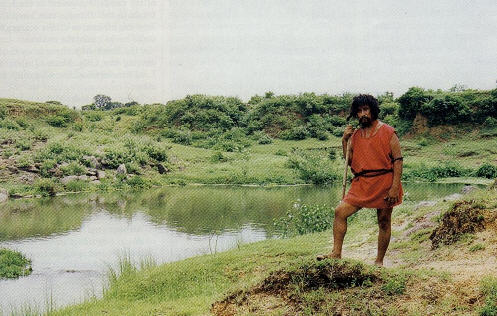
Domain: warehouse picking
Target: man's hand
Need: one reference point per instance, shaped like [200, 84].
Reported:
[392, 196]
[349, 130]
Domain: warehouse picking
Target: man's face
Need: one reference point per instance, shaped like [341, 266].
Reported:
[364, 115]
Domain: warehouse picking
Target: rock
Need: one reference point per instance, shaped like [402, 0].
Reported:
[13, 169]
[468, 189]
[93, 161]
[95, 182]
[122, 169]
[32, 169]
[83, 178]
[100, 174]
[162, 169]
[68, 179]
[452, 197]
[424, 204]
[91, 172]
[92, 178]
[4, 195]
[27, 178]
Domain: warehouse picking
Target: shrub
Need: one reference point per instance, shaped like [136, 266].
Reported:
[183, 137]
[24, 143]
[76, 185]
[73, 168]
[410, 102]
[155, 152]
[312, 168]
[113, 157]
[93, 116]
[395, 285]
[9, 124]
[46, 187]
[304, 219]
[13, 264]
[40, 134]
[24, 161]
[338, 131]
[296, 133]
[488, 288]
[445, 110]
[218, 156]
[46, 166]
[388, 108]
[490, 122]
[487, 170]
[138, 182]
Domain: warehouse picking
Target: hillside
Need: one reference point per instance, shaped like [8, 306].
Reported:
[48, 148]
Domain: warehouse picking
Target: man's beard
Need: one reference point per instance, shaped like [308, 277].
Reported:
[365, 121]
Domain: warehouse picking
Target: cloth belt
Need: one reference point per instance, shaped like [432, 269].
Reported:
[370, 173]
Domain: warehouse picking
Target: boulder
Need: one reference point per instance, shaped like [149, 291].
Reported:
[95, 182]
[122, 169]
[100, 174]
[67, 179]
[27, 178]
[4, 195]
[93, 161]
[92, 178]
[83, 178]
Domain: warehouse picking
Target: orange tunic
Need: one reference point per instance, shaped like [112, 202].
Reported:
[372, 153]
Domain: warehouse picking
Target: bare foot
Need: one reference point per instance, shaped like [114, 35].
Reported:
[378, 263]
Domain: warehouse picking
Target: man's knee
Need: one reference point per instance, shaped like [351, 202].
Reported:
[343, 211]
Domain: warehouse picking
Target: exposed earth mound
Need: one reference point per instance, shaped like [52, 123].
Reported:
[282, 290]
[465, 217]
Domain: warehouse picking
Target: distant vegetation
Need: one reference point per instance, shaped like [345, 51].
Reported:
[285, 139]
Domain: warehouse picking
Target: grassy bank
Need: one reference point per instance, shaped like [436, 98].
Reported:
[281, 276]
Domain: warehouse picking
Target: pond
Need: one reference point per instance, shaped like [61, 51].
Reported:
[72, 240]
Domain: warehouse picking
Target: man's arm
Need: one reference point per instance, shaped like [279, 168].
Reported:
[393, 193]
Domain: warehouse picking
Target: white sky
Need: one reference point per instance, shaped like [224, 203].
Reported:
[154, 51]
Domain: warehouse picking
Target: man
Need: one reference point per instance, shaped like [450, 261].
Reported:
[376, 162]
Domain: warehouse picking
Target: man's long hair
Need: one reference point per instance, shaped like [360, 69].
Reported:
[364, 99]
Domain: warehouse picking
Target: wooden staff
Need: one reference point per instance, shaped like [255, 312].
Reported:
[344, 183]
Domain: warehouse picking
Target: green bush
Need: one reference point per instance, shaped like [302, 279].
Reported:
[388, 108]
[76, 186]
[304, 219]
[46, 187]
[24, 143]
[490, 122]
[218, 156]
[183, 137]
[156, 152]
[338, 131]
[138, 182]
[9, 124]
[94, 116]
[395, 285]
[446, 109]
[488, 288]
[410, 102]
[487, 170]
[445, 170]
[24, 161]
[296, 133]
[73, 168]
[13, 264]
[312, 168]
[46, 166]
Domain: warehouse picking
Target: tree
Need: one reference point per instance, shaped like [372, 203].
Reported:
[102, 101]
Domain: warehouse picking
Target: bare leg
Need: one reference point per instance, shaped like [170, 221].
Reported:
[385, 230]
[342, 212]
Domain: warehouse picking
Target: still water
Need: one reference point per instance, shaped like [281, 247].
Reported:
[72, 240]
